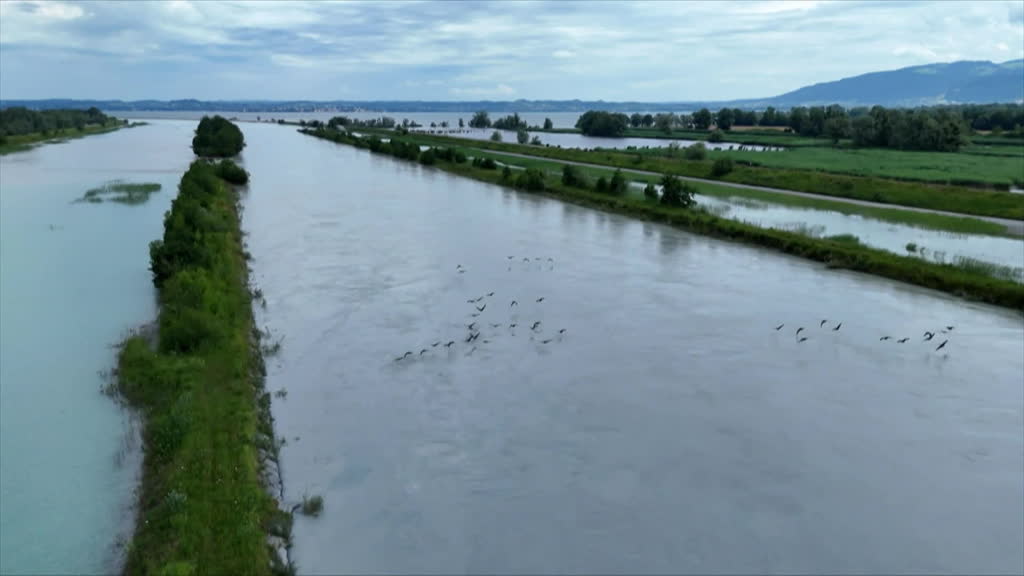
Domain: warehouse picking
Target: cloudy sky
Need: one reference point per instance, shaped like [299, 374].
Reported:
[358, 50]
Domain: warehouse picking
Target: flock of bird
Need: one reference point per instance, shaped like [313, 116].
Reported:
[482, 304]
[927, 336]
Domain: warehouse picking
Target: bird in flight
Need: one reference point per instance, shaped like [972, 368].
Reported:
[423, 351]
[902, 340]
[941, 346]
[884, 338]
[480, 308]
[514, 303]
[928, 336]
[545, 341]
[802, 339]
[449, 344]
[490, 293]
[535, 324]
[838, 326]
[822, 323]
[799, 330]
[541, 299]
[434, 345]
[779, 327]
[562, 331]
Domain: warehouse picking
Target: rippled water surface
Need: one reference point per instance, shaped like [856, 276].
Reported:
[73, 279]
[670, 428]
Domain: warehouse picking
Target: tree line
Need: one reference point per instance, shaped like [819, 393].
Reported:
[17, 121]
[217, 137]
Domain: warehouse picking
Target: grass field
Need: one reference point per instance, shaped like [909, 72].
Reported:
[955, 224]
[23, 142]
[941, 167]
[934, 196]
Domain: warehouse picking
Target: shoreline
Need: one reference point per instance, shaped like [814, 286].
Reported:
[28, 142]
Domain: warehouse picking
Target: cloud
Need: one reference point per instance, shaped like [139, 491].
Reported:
[439, 50]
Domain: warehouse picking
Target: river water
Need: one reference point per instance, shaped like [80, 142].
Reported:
[73, 278]
[670, 428]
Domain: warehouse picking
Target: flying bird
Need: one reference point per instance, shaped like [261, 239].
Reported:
[902, 340]
[480, 308]
[541, 299]
[562, 331]
[884, 338]
[802, 339]
[490, 293]
[470, 326]
[514, 303]
[423, 351]
[822, 323]
[928, 336]
[941, 346]
[496, 325]
[509, 257]
[949, 327]
[799, 330]
[779, 327]
[838, 326]
[535, 324]
[513, 325]
[545, 341]
[449, 344]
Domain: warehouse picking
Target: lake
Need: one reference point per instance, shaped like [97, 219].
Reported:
[73, 279]
[670, 428]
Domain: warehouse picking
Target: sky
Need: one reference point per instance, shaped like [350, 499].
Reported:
[507, 50]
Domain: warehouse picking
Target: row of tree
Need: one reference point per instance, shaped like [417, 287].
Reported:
[18, 120]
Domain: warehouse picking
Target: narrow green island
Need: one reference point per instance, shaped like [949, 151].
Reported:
[971, 280]
[21, 128]
[197, 378]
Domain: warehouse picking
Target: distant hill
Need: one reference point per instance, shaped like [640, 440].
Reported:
[952, 83]
[949, 83]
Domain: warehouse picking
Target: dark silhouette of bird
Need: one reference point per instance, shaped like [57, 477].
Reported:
[471, 326]
[471, 301]
[458, 266]
[822, 323]
[941, 346]
[884, 338]
[949, 327]
[481, 308]
[469, 338]
[435, 344]
[509, 257]
[541, 299]
[902, 340]
[526, 259]
[474, 314]
[545, 341]
[514, 303]
[779, 327]
[562, 331]
[490, 293]
[449, 344]
[461, 271]
[928, 336]
[487, 341]
[802, 339]
[513, 325]
[799, 330]
[423, 351]
[535, 324]
[474, 336]
[496, 325]
[838, 326]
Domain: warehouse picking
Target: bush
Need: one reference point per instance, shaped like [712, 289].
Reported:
[697, 151]
[312, 506]
[716, 136]
[496, 136]
[488, 164]
[427, 157]
[721, 167]
[674, 192]
[217, 137]
[459, 158]
[522, 136]
[232, 172]
[531, 179]
[617, 185]
[506, 173]
[602, 184]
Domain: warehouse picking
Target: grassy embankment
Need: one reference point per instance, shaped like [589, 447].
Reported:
[954, 224]
[947, 198]
[22, 142]
[964, 280]
[198, 381]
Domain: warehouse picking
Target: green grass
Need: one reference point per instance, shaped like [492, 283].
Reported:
[759, 138]
[933, 196]
[960, 281]
[119, 191]
[954, 224]
[941, 167]
[23, 142]
[202, 508]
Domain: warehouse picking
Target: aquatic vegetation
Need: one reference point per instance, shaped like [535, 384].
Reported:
[312, 506]
[120, 191]
[844, 239]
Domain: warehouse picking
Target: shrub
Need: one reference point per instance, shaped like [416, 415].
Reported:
[716, 136]
[217, 137]
[460, 158]
[650, 192]
[602, 184]
[312, 506]
[496, 136]
[911, 247]
[531, 179]
[674, 192]
[617, 184]
[697, 151]
[488, 164]
[427, 157]
[232, 172]
[506, 173]
[721, 167]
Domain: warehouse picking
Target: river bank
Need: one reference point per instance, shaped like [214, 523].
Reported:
[960, 281]
[28, 141]
[210, 450]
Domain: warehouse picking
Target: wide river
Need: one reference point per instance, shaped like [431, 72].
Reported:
[74, 278]
[669, 428]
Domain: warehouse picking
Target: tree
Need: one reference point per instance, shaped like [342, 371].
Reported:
[522, 136]
[648, 121]
[675, 193]
[798, 119]
[496, 136]
[837, 128]
[716, 136]
[725, 118]
[602, 184]
[461, 123]
[535, 141]
[217, 137]
[548, 124]
[617, 185]
[635, 120]
[650, 192]
[862, 131]
[664, 122]
[702, 119]
[602, 123]
[480, 120]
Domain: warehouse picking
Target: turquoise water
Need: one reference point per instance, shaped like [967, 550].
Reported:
[73, 279]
